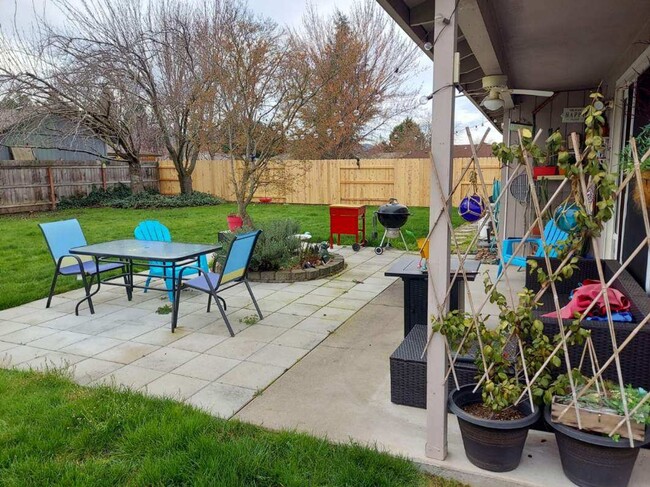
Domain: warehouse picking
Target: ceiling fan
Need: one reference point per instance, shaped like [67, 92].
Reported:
[499, 95]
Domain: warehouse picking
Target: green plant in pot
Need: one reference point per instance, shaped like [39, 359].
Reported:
[589, 458]
[627, 164]
[493, 421]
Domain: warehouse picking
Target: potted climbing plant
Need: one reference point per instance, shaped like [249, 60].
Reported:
[627, 163]
[495, 414]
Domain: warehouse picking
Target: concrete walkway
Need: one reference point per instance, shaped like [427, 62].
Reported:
[130, 344]
[341, 390]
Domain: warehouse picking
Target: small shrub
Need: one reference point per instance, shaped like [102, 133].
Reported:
[120, 196]
[276, 248]
[96, 197]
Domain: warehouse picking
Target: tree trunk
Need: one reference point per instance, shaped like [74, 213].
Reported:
[241, 210]
[135, 176]
[185, 181]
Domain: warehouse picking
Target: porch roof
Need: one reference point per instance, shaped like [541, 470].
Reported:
[553, 45]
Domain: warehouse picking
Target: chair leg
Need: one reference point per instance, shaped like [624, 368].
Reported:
[218, 300]
[500, 268]
[250, 291]
[209, 302]
[87, 298]
[49, 298]
[176, 303]
[146, 284]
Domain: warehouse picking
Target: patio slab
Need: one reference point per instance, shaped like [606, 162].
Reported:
[128, 344]
[341, 390]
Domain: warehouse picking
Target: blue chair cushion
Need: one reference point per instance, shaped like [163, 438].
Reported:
[201, 283]
[89, 267]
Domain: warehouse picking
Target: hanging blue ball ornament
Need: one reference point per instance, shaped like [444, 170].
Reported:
[565, 217]
[471, 208]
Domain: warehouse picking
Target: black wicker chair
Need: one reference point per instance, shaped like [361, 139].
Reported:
[635, 357]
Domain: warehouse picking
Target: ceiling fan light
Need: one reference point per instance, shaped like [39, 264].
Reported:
[492, 103]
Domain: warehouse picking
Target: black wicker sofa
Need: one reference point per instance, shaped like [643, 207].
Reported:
[635, 357]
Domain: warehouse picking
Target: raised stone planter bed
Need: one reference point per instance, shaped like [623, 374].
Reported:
[334, 266]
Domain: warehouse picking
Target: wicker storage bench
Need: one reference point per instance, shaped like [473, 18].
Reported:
[408, 372]
[635, 358]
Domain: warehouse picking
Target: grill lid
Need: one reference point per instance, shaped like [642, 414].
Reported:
[393, 208]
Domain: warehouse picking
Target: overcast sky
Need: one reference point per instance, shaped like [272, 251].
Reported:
[284, 12]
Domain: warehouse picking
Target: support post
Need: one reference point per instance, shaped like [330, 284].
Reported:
[442, 129]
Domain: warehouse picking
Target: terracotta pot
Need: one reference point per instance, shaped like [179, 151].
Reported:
[265, 199]
[536, 231]
[234, 222]
[645, 177]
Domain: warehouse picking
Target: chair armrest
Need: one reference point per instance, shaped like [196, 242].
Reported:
[76, 257]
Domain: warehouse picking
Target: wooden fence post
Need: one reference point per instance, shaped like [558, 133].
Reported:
[50, 180]
[103, 173]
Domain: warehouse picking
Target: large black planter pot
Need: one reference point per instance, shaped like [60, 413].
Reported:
[489, 444]
[591, 460]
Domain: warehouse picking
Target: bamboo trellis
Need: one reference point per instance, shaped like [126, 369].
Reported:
[530, 377]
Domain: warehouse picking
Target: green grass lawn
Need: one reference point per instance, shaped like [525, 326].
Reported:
[54, 432]
[26, 266]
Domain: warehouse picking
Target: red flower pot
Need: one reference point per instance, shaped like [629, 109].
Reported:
[266, 199]
[234, 222]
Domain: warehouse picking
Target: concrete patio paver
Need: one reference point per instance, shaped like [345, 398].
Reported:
[92, 346]
[278, 355]
[300, 339]
[174, 386]
[252, 375]
[59, 340]
[130, 376]
[238, 348]
[206, 367]
[165, 359]
[91, 369]
[221, 400]
[127, 352]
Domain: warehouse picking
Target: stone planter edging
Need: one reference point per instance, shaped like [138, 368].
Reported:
[334, 266]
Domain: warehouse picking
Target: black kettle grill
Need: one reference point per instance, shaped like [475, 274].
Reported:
[393, 217]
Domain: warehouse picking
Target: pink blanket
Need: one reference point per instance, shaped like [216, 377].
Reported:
[585, 294]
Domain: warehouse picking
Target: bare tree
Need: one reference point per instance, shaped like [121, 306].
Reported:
[64, 75]
[264, 82]
[159, 58]
[363, 63]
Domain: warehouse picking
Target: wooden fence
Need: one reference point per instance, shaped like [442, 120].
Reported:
[333, 181]
[38, 185]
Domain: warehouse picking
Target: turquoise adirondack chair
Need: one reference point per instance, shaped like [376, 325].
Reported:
[154, 231]
[552, 235]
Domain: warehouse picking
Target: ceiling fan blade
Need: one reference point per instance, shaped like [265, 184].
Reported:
[532, 92]
[507, 100]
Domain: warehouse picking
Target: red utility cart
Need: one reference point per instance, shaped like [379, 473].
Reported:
[348, 220]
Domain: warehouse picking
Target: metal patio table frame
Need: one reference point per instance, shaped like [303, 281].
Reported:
[131, 253]
[416, 287]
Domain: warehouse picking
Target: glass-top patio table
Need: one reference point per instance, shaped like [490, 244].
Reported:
[131, 252]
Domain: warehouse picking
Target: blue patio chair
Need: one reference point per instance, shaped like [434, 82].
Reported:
[552, 234]
[62, 236]
[154, 231]
[234, 272]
